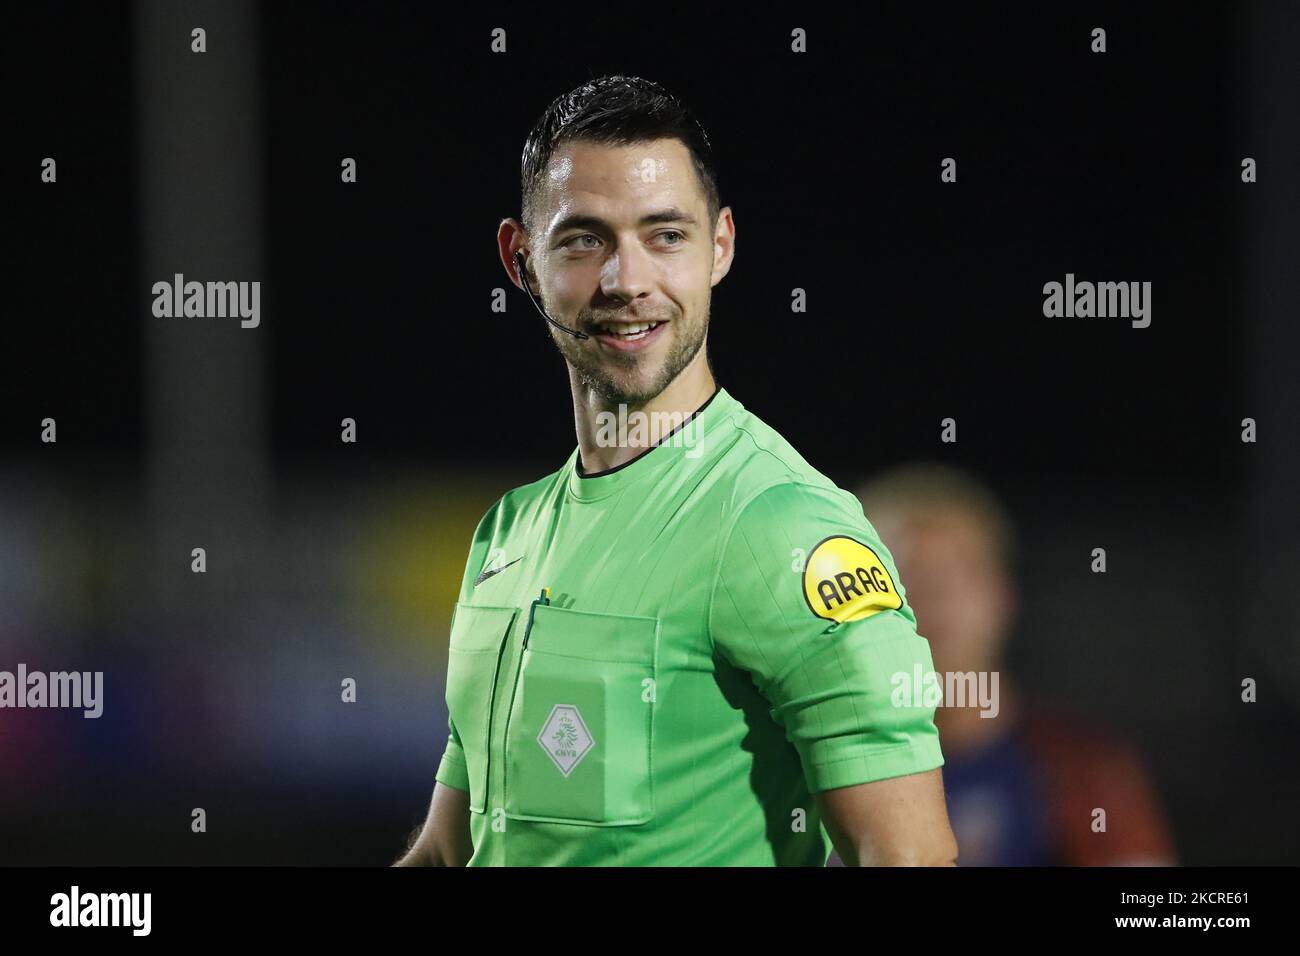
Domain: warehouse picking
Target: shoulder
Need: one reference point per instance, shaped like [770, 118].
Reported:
[785, 515]
[774, 482]
[519, 503]
[509, 516]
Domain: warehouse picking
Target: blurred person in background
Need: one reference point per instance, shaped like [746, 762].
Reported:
[1022, 779]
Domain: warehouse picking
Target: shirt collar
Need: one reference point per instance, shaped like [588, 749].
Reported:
[683, 442]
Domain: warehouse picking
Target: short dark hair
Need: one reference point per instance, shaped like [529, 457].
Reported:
[616, 111]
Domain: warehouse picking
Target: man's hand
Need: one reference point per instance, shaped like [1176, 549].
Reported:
[445, 839]
[902, 821]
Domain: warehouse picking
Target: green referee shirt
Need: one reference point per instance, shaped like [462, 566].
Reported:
[661, 663]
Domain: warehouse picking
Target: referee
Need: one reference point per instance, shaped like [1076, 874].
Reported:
[687, 645]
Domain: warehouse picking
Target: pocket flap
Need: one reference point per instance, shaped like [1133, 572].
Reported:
[478, 628]
[614, 638]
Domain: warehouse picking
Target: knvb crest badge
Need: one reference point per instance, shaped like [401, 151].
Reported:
[565, 737]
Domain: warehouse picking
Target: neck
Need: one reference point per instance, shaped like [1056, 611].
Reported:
[683, 397]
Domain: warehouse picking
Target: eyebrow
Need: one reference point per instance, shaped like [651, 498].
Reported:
[575, 221]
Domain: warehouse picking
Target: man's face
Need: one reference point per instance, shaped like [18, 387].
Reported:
[624, 252]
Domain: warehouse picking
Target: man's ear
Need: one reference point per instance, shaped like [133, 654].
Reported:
[511, 241]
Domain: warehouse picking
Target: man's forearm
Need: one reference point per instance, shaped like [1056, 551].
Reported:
[864, 856]
[897, 821]
[444, 839]
[421, 856]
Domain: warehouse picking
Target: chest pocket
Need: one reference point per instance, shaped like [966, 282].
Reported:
[580, 737]
[478, 635]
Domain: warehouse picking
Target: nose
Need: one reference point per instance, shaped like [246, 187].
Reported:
[626, 274]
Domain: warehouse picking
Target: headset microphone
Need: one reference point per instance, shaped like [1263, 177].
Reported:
[523, 281]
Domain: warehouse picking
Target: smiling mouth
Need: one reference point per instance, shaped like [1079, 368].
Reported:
[627, 331]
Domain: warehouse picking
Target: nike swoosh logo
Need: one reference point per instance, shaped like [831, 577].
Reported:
[484, 575]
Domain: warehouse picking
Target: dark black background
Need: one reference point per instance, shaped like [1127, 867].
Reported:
[924, 298]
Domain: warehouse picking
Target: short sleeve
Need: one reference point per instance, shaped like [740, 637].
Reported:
[452, 771]
[808, 601]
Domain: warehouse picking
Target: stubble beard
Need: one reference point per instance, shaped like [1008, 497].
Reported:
[618, 379]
